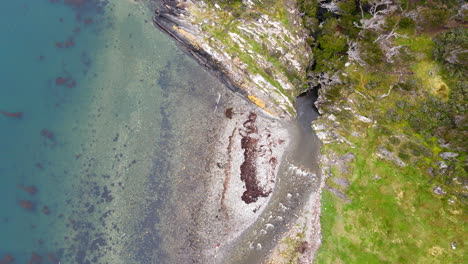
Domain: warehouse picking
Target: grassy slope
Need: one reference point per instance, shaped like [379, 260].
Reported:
[395, 217]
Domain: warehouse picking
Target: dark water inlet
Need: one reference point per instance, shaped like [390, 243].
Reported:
[306, 110]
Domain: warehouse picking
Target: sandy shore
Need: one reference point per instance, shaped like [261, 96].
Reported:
[242, 156]
[256, 177]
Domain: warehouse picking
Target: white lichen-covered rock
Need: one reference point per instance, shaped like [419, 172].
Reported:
[327, 134]
[442, 165]
[363, 118]
[386, 154]
[448, 155]
[438, 190]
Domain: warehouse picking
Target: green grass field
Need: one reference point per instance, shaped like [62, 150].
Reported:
[394, 216]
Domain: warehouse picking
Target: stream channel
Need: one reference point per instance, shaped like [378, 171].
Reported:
[291, 191]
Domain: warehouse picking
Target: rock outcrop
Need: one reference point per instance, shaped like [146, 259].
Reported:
[257, 50]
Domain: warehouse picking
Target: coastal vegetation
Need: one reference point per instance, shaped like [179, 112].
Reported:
[392, 78]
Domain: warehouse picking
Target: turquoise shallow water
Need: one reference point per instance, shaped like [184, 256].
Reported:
[91, 130]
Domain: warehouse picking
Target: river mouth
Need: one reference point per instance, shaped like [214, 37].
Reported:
[298, 178]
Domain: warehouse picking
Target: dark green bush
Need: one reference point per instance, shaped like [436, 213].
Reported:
[394, 140]
[371, 53]
[409, 85]
[433, 17]
[371, 85]
[400, 104]
[403, 156]
[451, 49]
[329, 48]
[417, 149]
[392, 115]
[458, 98]
[384, 131]
[406, 23]
[348, 6]
[308, 7]
[430, 116]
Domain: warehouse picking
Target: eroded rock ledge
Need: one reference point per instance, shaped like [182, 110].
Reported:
[257, 51]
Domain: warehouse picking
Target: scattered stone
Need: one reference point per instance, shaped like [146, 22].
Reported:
[343, 162]
[338, 194]
[363, 118]
[455, 180]
[228, 113]
[448, 155]
[251, 245]
[302, 247]
[327, 134]
[341, 181]
[442, 165]
[438, 190]
[454, 245]
[442, 143]
[376, 177]
[384, 153]
[430, 171]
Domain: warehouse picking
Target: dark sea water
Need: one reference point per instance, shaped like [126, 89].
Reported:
[90, 94]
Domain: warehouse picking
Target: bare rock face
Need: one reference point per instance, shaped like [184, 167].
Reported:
[448, 155]
[343, 162]
[342, 182]
[438, 190]
[386, 154]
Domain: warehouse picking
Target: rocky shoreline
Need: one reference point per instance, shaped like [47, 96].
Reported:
[234, 186]
[166, 19]
[250, 155]
[262, 82]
